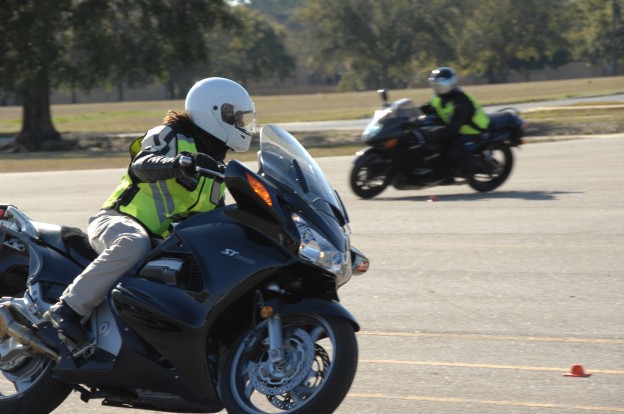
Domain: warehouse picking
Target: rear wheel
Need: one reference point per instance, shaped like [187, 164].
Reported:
[499, 162]
[320, 360]
[26, 384]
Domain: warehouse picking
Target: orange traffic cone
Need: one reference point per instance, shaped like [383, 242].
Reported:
[576, 371]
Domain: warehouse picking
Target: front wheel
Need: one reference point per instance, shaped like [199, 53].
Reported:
[499, 162]
[319, 364]
[369, 180]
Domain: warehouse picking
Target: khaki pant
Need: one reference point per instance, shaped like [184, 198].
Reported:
[120, 242]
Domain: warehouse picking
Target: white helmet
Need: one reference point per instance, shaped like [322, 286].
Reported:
[224, 109]
[443, 80]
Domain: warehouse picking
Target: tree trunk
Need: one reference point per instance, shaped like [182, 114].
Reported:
[120, 92]
[37, 127]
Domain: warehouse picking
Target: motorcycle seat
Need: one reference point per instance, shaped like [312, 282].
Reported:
[77, 242]
[499, 120]
[70, 240]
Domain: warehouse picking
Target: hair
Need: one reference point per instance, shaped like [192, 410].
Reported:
[205, 141]
[181, 118]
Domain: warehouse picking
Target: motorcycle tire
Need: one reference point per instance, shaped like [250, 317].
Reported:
[320, 355]
[367, 181]
[42, 396]
[486, 182]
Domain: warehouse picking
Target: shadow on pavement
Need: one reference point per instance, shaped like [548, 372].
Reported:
[512, 195]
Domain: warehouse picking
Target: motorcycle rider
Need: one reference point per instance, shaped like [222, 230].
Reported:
[462, 116]
[158, 188]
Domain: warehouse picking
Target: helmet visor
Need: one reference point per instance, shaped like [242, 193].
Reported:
[245, 120]
[442, 87]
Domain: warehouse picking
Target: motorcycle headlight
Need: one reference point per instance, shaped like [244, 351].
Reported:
[315, 248]
[371, 130]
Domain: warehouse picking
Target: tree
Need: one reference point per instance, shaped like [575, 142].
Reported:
[34, 35]
[374, 42]
[504, 35]
[182, 30]
[83, 43]
[599, 33]
[274, 7]
[254, 50]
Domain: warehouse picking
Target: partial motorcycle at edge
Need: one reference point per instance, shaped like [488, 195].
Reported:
[401, 154]
[238, 308]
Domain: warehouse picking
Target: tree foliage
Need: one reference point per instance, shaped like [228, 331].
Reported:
[274, 7]
[253, 50]
[79, 44]
[366, 44]
[599, 34]
[505, 35]
[375, 41]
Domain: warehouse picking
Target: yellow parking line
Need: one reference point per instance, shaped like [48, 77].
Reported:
[485, 366]
[492, 337]
[487, 402]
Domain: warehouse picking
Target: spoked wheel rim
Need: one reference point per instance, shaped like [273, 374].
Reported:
[500, 160]
[368, 181]
[20, 369]
[262, 387]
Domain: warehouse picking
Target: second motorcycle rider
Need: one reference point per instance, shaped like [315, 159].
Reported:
[462, 116]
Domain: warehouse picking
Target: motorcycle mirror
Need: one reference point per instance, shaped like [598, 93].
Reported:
[383, 94]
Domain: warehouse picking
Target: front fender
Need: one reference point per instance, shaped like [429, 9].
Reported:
[370, 157]
[321, 307]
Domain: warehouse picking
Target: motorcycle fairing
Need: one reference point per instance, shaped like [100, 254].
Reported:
[236, 250]
[48, 265]
[13, 262]
[134, 367]
[372, 157]
[228, 254]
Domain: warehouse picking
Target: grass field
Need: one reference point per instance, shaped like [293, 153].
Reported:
[136, 117]
[139, 116]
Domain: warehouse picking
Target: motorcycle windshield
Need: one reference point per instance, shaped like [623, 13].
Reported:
[402, 108]
[286, 163]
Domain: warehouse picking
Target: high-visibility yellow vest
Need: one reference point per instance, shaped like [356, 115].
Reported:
[156, 205]
[479, 122]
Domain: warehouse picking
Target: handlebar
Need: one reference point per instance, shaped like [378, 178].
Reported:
[188, 161]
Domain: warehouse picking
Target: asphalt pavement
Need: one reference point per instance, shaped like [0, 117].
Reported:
[474, 303]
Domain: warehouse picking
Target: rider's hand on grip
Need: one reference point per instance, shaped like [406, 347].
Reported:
[188, 164]
[185, 163]
[207, 162]
[427, 109]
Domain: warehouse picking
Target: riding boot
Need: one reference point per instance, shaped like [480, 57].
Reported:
[68, 322]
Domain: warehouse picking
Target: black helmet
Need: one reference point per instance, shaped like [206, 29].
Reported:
[443, 80]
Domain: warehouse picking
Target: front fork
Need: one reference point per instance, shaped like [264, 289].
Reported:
[270, 304]
[276, 345]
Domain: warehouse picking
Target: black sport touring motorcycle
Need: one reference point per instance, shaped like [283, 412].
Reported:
[401, 154]
[237, 309]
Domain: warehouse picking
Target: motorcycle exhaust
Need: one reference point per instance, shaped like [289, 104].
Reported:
[10, 327]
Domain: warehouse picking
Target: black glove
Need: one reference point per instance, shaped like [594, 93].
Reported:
[427, 109]
[206, 161]
[184, 164]
[187, 163]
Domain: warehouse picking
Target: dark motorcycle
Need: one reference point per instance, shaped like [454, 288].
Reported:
[238, 308]
[402, 155]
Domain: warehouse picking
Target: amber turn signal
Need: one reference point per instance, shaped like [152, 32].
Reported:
[391, 143]
[259, 189]
[266, 312]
